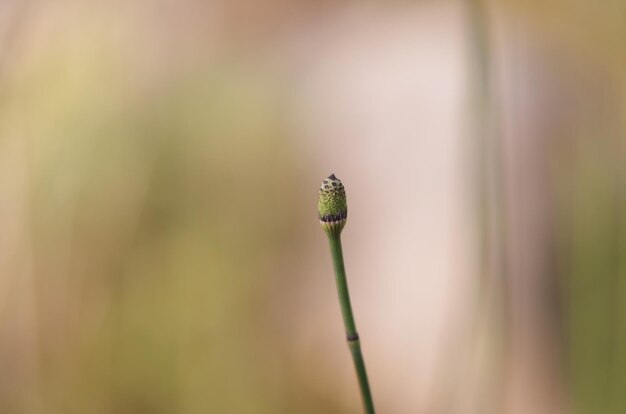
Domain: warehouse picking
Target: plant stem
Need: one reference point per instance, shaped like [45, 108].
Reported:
[352, 336]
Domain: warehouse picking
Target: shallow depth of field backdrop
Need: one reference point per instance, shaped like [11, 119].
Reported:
[159, 168]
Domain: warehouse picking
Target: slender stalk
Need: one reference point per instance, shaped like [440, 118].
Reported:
[354, 343]
[333, 213]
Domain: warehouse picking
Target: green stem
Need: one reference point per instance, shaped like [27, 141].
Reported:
[354, 342]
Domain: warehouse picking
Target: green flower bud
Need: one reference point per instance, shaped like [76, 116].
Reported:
[332, 206]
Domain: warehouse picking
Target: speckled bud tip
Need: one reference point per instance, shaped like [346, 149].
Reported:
[332, 206]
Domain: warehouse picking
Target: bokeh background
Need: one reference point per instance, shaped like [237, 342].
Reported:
[159, 168]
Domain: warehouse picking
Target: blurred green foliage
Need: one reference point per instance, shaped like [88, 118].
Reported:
[152, 215]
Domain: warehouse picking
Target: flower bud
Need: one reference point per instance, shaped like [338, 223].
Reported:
[332, 206]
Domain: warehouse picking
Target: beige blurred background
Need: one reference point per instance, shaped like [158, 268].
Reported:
[159, 168]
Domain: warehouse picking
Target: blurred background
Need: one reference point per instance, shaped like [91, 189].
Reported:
[159, 244]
